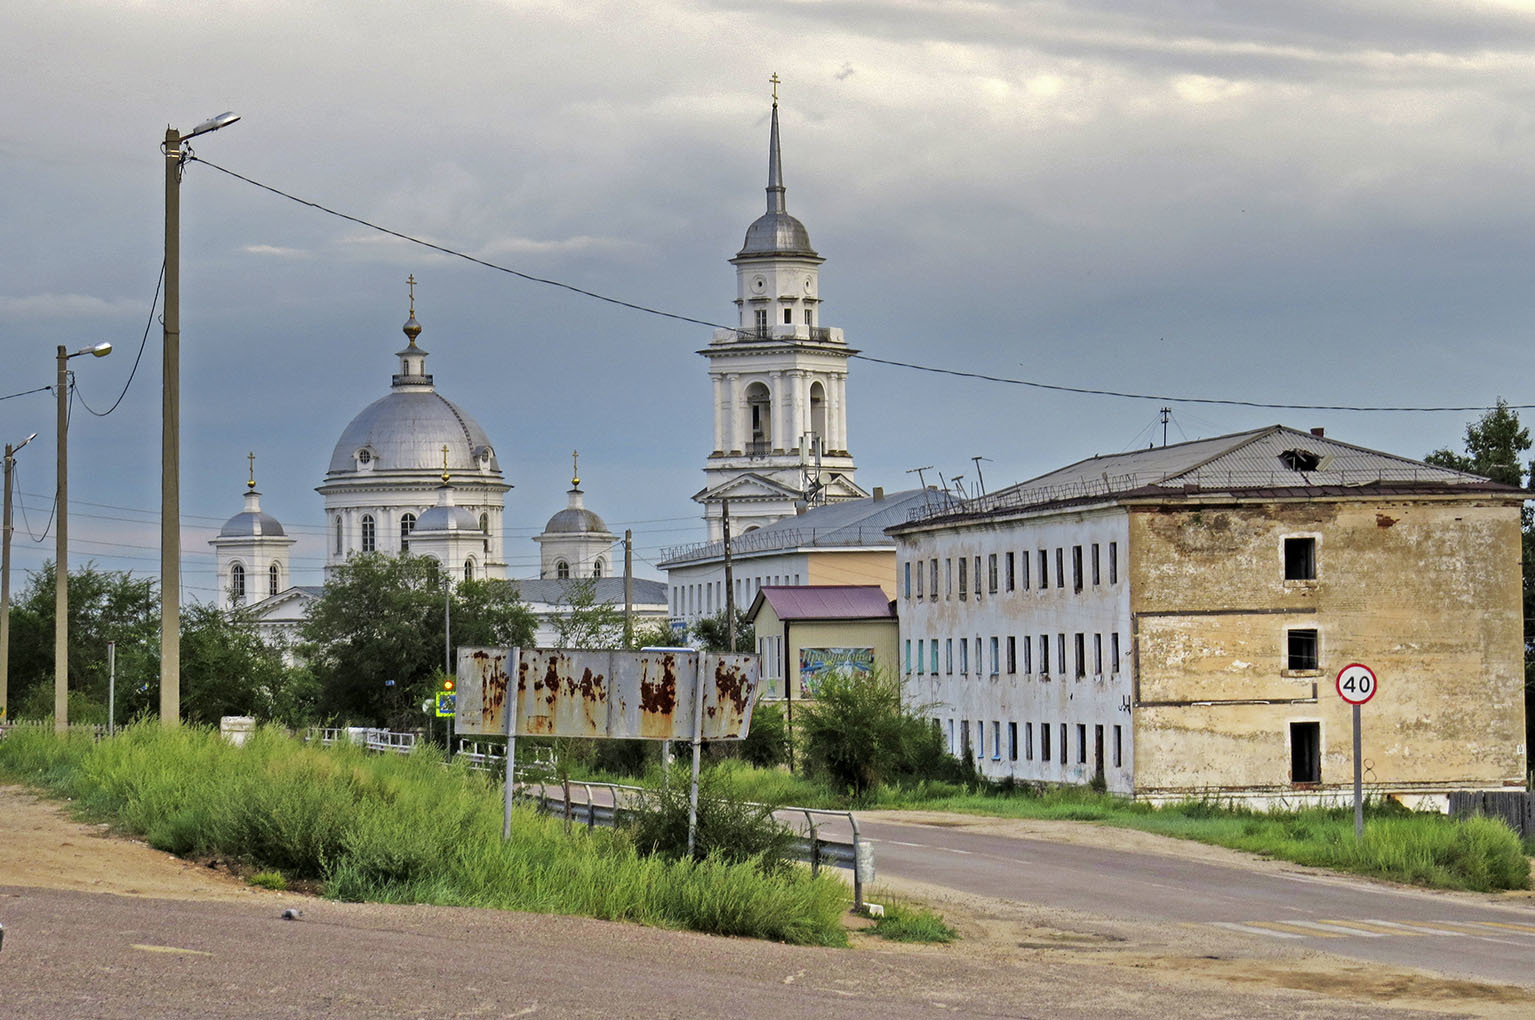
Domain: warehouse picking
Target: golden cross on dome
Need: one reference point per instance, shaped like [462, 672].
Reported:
[252, 458]
[775, 80]
[445, 464]
[575, 472]
[411, 282]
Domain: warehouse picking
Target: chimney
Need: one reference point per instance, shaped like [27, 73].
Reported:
[879, 493]
[1319, 432]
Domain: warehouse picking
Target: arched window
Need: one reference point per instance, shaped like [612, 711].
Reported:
[469, 570]
[407, 525]
[368, 538]
[237, 584]
[597, 569]
[485, 523]
[338, 536]
[271, 578]
[561, 569]
[818, 411]
[759, 403]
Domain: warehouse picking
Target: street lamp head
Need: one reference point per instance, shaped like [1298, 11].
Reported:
[24, 442]
[101, 350]
[223, 120]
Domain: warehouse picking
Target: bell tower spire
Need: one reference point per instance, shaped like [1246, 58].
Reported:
[780, 377]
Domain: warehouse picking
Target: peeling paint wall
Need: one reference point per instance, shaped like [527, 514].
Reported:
[1424, 591]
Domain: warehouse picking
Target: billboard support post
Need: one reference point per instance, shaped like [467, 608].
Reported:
[698, 730]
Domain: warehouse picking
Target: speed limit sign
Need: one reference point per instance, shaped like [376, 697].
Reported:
[1356, 683]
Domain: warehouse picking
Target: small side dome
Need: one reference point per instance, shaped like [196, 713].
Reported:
[574, 520]
[446, 518]
[251, 523]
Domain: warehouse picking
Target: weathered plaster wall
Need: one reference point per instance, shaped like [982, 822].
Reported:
[875, 566]
[1426, 592]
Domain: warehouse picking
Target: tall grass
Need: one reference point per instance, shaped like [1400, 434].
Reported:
[1478, 854]
[404, 830]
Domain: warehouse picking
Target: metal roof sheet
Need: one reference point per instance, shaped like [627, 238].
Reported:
[828, 602]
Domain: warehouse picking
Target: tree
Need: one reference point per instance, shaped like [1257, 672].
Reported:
[711, 633]
[227, 669]
[584, 622]
[104, 606]
[375, 636]
[1493, 445]
[858, 734]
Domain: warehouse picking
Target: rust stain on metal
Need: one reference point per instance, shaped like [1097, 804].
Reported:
[732, 685]
[494, 682]
[522, 675]
[550, 682]
[658, 699]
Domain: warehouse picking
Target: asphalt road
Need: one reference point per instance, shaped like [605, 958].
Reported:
[1455, 934]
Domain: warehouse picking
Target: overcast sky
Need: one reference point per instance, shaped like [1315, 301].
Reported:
[1300, 203]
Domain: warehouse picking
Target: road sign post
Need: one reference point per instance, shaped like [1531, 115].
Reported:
[1356, 685]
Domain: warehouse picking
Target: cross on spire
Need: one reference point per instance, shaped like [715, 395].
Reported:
[575, 471]
[252, 458]
[411, 283]
[775, 80]
[445, 475]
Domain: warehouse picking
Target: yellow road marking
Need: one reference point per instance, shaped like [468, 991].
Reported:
[1296, 929]
[1367, 926]
[1509, 924]
[169, 949]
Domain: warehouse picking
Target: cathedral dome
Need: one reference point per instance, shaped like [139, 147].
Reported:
[447, 518]
[406, 429]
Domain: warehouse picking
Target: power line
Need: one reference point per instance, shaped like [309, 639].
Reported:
[153, 304]
[881, 361]
[23, 393]
[1166, 397]
[455, 253]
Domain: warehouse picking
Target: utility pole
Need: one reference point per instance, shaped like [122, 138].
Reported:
[5, 576]
[730, 587]
[1167, 413]
[628, 588]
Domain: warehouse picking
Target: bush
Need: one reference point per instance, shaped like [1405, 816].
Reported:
[731, 830]
[858, 734]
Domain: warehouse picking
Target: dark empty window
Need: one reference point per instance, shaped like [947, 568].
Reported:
[1305, 752]
[1044, 741]
[1113, 562]
[1060, 568]
[1300, 559]
[964, 565]
[1096, 575]
[1044, 570]
[1301, 653]
[1012, 741]
[1076, 568]
[991, 573]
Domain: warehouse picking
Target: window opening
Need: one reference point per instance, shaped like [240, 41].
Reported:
[271, 577]
[1302, 650]
[407, 525]
[1076, 568]
[237, 584]
[369, 538]
[1306, 752]
[1300, 559]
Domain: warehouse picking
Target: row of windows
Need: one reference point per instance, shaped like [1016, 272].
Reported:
[562, 569]
[1013, 655]
[708, 598]
[369, 532]
[1059, 750]
[237, 582]
[1009, 571]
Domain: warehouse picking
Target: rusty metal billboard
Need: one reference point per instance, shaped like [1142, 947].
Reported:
[645, 695]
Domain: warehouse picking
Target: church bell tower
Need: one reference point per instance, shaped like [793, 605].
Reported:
[779, 377]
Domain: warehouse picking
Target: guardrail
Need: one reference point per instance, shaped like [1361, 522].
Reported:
[811, 846]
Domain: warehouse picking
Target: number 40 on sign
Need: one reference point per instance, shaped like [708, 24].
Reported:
[1356, 683]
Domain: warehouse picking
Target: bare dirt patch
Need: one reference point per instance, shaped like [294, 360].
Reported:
[42, 847]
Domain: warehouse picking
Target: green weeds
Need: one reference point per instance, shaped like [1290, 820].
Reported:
[404, 830]
[903, 922]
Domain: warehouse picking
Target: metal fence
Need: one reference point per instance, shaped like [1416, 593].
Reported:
[96, 731]
[1516, 808]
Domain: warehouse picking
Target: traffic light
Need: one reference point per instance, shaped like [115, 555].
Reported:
[447, 684]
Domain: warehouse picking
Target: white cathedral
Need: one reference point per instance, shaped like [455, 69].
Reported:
[415, 472]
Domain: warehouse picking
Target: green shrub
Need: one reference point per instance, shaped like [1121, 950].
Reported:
[858, 734]
[903, 922]
[269, 880]
[727, 828]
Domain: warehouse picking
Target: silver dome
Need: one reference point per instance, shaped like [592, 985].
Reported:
[446, 518]
[250, 524]
[406, 430]
[575, 520]
[777, 233]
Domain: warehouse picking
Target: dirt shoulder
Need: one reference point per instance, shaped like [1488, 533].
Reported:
[1006, 949]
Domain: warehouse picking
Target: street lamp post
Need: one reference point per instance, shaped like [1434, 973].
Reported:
[170, 424]
[5, 576]
[61, 541]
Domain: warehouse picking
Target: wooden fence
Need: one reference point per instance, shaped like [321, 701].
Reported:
[1515, 807]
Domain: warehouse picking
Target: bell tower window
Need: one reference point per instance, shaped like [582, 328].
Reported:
[407, 525]
[271, 575]
[369, 538]
[237, 584]
[562, 570]
[759, 317]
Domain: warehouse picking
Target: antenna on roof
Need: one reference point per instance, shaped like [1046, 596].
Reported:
[980, 479]
[921, 479]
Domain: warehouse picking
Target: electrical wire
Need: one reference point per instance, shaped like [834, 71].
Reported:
[153, 304]
[23, 393]
[866, 357]
[458, 254]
